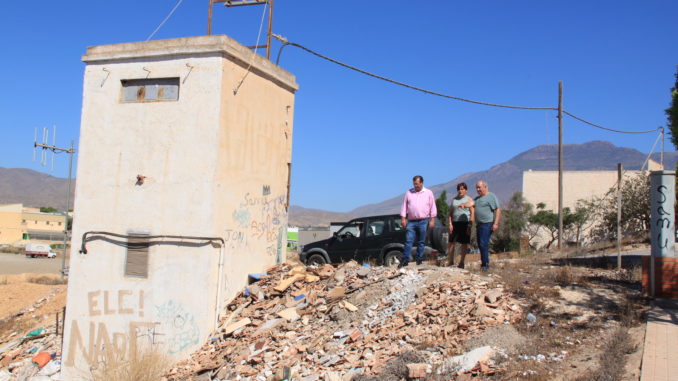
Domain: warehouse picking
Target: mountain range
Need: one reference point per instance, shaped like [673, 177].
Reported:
[32, 188]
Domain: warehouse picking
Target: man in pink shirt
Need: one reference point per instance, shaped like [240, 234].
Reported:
[417, 213]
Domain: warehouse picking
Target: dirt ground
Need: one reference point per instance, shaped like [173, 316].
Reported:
[19, 264]
[588, 322]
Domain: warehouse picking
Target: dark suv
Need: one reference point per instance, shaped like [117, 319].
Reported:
[378, 238]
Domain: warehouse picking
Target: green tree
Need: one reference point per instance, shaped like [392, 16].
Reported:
[47, 209]
[514, 218]
[672, 113]
[443, 208]
[548, 220]
[635, 215]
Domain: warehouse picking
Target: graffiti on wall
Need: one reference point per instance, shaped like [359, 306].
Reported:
[261, 219]
[181, 328]
[96, 342]
[664, 218]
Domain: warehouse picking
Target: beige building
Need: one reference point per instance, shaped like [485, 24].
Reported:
[11, 229]
[183, 182]
[542, 186]
[19, 225]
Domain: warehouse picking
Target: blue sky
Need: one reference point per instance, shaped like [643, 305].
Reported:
[358, 140]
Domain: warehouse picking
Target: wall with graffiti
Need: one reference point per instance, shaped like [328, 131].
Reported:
[212, 162]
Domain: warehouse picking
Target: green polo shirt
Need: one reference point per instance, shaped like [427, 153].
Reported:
[485, 207]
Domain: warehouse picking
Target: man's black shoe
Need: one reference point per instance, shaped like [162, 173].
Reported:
[418, 263]
[402, 264]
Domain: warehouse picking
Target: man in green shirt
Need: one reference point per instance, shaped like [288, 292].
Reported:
[487, 215]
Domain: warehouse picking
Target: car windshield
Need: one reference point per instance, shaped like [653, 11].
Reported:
[352, 229]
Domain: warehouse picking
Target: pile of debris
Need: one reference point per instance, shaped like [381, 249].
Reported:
[33, 357]
[313, 323]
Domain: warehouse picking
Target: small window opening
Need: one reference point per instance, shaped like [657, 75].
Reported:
[150, 90]
[136, 263]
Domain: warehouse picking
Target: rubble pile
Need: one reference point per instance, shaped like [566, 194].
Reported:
[314, 323]
[31, 357]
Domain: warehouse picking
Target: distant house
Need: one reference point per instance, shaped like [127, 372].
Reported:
[542, 187]
[312, 234]
[19, 225]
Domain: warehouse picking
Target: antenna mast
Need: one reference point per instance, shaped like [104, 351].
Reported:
[240, 3]
[44, 147]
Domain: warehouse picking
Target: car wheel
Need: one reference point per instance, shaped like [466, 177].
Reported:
[393, 258]
[316, 260]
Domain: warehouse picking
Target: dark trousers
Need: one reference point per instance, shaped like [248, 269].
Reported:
[415, 232]
[484, 233]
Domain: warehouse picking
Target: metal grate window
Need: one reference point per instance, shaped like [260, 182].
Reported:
[150, 90]
[136, 263]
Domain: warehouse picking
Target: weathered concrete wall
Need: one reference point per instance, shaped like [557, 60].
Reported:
[208, 158]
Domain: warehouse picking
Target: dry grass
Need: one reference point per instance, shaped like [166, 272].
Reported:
[148, 365]
[48, 280]
[12, 250]
[613, 358]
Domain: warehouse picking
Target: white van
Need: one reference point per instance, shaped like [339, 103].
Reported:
[39, 250]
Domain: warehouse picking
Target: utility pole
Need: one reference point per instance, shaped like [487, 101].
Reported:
[619, 210]
[661, 158]
[45, 147]
[240, 3]
[560, 166]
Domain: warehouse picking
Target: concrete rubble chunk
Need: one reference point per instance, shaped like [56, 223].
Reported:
[336, 293]
[418, 370]
[290, 314]
[348, 306]
[467, 361]
[282, 286]
[236, 326]
[492, 296]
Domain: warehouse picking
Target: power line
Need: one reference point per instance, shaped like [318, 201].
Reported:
[285, 42]
[165, 20]
[609, 129]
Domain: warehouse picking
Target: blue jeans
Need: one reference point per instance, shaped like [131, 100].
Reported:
[415, 229]
[484, 233]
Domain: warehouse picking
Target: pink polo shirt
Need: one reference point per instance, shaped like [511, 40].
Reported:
[418, 205]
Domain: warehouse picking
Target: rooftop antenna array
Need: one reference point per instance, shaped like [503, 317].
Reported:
[44, 148]
[240, 3]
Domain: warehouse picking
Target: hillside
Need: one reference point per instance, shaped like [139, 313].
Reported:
[33, 188]
[506, 178]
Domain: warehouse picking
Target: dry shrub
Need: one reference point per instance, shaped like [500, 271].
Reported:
[47, 280]
[613, 358]
[632, 275]
[145, 365]
[563, 276]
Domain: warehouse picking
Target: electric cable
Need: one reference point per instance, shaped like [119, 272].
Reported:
[165, 20]
[286, 42]
[606, 128]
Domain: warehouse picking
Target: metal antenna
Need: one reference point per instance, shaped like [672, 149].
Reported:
[35, 143]
[240, 3]
[45, 147]
[54, 145]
